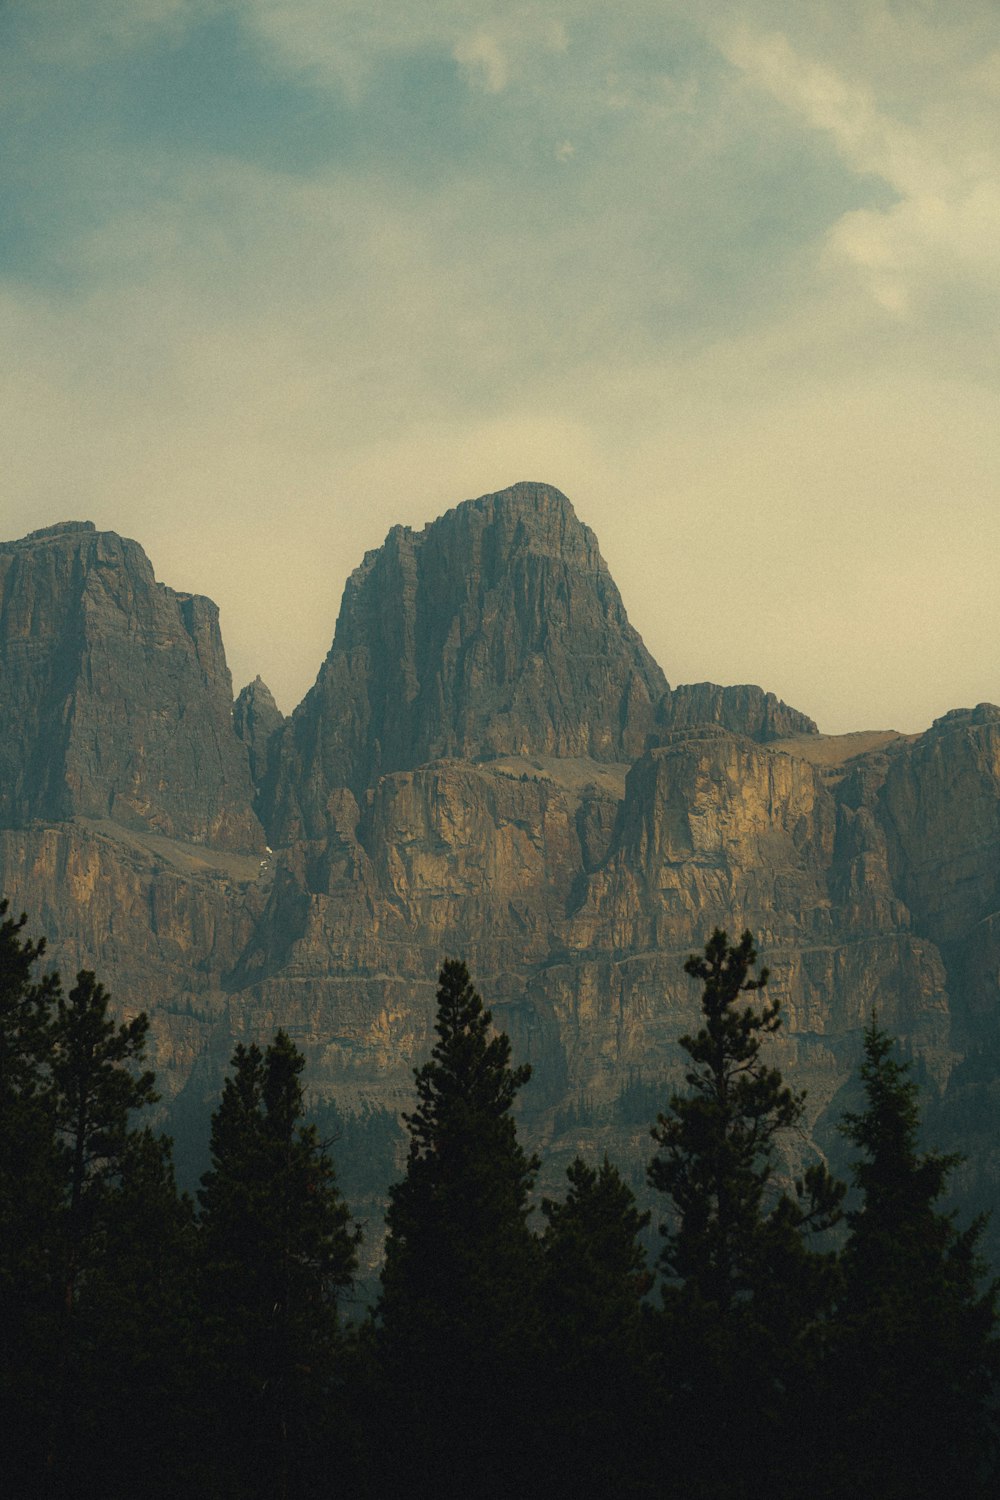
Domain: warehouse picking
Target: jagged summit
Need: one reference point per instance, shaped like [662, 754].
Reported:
[256, 719]
[746, 709]
[61, 528]
[115, 697]
[550, 524]
[495, 630]
[983, 713]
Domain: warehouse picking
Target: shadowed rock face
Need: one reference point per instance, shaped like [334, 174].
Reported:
[489, 766]
[497, 630]
[942, 817]
[256, 720]
[115, 697]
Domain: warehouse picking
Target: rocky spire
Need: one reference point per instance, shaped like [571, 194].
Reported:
[496, 630]
[115, 698]
[256, 719]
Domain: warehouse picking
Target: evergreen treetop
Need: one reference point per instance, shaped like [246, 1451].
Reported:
[917, 1325]
[456, 1313]
[466, 1174]
[717, 1142]
[277, 1251]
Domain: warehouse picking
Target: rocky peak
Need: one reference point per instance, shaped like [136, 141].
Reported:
[256, 719]
[959, 718]
[115, 697]
[496, 630]
[61, 528]
[745, 709]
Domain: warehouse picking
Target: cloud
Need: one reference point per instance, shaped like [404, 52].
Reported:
[355, 286]
[345, 43]
[67, 34]
[257, 431]
[483, 62]
[944, 226]
[485, 56]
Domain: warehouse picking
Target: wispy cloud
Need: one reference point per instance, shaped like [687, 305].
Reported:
[484, 61]
[945, 222]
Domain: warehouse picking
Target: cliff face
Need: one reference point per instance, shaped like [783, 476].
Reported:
[489, 766]
[497, 630]
[161, 922]
[942, 817]
[115, 698]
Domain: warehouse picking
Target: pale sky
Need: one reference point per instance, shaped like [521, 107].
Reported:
[278, 274]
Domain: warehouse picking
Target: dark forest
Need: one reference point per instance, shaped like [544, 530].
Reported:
[807, 1338]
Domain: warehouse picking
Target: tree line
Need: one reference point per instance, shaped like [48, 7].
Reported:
[796, 1341]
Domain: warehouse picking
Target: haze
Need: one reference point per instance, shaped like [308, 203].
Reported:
[279, 274]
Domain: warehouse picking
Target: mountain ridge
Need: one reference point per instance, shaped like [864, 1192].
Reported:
[490, 764]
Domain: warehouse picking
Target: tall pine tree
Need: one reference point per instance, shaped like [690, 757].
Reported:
[744, 1291]
[95, 1087]
[277, 1252]
[592, 1387]
[455, 1313]
[80, 1212]
[918, 1352]
[30, 1206]
[134, 1330]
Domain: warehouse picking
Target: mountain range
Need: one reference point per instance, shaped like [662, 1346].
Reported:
[490, 765]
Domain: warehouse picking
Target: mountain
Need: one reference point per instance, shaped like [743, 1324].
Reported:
[496, 630]
[115, 698]
[490, 765]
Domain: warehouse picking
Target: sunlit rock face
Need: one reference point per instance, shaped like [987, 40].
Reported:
[489, 766]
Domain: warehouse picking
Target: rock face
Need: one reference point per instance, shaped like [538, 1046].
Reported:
[746, 710]
[497, 630]
[115, 698]
[489, 766]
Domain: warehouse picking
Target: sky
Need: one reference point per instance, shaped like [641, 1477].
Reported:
[276, 275]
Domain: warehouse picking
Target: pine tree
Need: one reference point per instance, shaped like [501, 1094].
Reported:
[28, 1158]
[30, 1202]
[87, 1204]
[592, 1387]
[134, 1330]
[455, 1313]
[919, 1356]
[94, 1087]
[744, 1290]
[94, 1091]
[25, 1005]
[277, 1251]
